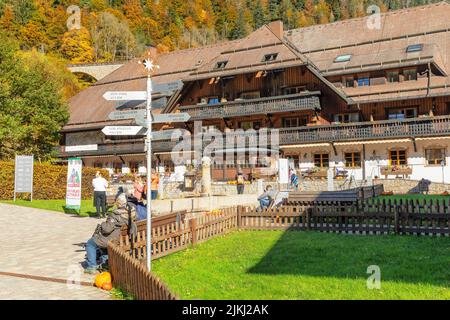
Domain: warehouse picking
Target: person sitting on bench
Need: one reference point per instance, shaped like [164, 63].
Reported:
[266, 199]
[108, 230]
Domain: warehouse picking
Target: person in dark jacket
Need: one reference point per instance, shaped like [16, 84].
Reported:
[107, 231]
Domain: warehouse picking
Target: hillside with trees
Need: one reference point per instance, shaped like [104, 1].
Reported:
[114, 30]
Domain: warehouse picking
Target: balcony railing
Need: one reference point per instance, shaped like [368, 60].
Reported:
[408, 128]
[417, 127]
[296, 102]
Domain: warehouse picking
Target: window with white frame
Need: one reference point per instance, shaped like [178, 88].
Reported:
[410, 74]
[352, 159]
[295, 122]
[321, 160]
[435, 156]
[346, 117]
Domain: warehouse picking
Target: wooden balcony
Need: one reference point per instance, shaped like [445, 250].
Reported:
[270, 105]
[361, 131]
[407, 128]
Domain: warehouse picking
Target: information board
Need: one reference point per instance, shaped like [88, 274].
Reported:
[23, 176]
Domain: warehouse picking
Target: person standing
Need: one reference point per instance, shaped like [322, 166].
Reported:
[100, 184]
[138, 187]
[294, 179]
[154, 185]
[240, 182]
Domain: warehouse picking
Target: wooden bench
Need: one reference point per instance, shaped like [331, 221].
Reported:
[345, 196]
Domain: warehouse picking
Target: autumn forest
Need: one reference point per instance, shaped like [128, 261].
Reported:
[114, 30]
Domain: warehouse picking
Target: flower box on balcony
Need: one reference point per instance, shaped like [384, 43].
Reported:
[316, 173]
[396, 171]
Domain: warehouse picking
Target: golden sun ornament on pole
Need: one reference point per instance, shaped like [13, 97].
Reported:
[150, 66]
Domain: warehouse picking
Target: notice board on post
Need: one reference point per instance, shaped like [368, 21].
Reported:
[23, 175]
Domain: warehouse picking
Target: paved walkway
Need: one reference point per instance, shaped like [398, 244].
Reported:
[41, 243]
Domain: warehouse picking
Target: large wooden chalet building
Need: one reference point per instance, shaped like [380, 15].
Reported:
[373, 101]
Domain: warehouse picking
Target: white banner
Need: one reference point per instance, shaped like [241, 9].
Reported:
[73, 191]
[283, 170]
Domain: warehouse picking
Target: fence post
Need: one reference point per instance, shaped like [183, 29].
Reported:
[193, 225]
[396, 212]
[238, 216]
[308, 218]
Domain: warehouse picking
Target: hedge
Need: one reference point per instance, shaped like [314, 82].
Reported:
[49, 181]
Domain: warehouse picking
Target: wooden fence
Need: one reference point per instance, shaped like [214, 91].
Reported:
[369, 217]
[132, 276]
[128, 255]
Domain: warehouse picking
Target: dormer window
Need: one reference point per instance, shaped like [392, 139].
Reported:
[221, 65]
[343, 58]
[270, 57]
[414, 48]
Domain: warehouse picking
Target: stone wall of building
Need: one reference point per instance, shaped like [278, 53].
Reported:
[397, 186]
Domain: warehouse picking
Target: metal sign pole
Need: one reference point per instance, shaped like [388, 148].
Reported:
[149, 171]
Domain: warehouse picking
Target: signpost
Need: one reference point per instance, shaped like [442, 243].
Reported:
[125, 95]
[121, 130]
[144, 119]
[165, 118]
[160, 103]
[170, 86]
[23, 175]
[165, 134]
[127, 114]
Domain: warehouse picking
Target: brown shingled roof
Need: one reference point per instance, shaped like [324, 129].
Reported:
[382, 48]
[317, 46]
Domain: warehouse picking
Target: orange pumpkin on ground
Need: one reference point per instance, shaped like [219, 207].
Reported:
[107, 286]
[102, 278]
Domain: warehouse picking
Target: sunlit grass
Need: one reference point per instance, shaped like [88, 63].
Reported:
[87, 207]
[309, 265]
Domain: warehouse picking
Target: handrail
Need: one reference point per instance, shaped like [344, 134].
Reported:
[302, 101]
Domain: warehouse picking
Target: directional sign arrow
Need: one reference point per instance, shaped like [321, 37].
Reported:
[127, 114]
[125, 95]
[160, 103]
[171, 117]
[166, 134]
[164, 118]
[170, 86]
[121, 130]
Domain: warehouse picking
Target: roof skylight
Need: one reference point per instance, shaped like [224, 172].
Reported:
[221, 65]
[414, 48]
[270, 57]
[343, 58]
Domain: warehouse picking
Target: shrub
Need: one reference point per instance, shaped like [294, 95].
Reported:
[49, 181]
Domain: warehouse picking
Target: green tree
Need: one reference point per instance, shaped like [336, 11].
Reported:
[274, 9]
[241, 28]
[259, 15]
[32, 107]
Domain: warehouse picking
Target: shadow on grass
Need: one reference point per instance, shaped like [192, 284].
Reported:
[407, 259]
[77, 213]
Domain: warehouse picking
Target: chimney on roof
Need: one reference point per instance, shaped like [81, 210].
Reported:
[277, 28]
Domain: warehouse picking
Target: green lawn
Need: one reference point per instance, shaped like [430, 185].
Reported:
[308, 265]
[87, 208]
